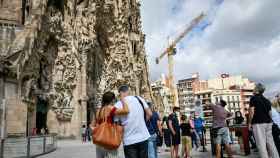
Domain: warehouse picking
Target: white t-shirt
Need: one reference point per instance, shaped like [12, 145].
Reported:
[135, 129]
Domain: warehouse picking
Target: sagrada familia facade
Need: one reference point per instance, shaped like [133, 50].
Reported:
[57, 57]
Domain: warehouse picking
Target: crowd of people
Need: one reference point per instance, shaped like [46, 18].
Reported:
[263, 122]
[144, 130]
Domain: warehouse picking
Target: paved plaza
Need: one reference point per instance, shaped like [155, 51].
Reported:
[76, 149]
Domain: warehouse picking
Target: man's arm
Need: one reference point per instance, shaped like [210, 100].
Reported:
[251, 114]
[171, 127]
[159, 126]
[230, 116]
[124, 110]
[148, 113]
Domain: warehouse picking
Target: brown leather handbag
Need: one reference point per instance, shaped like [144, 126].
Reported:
[108, 134]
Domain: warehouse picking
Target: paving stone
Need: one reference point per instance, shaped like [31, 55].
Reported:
[77, 149]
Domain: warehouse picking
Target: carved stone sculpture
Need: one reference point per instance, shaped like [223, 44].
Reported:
[78, 49]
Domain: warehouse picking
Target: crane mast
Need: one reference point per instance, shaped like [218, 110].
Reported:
[170, 51]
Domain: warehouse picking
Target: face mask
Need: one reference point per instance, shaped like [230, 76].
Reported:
[177, 113]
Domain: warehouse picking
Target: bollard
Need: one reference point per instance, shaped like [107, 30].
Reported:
[28, 148]
[44, 144]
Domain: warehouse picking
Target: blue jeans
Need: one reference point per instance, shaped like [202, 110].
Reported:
[152, 146]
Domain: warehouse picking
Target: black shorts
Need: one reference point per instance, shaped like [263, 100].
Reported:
[166, 135]
[175, 139]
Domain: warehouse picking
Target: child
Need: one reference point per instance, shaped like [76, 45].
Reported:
[186, 137]
[83, 133]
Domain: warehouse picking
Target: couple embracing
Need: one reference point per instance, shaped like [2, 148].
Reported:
[131, 112]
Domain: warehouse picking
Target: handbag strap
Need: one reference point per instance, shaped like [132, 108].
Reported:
[100, 118]
[105, 118]
[139, 100]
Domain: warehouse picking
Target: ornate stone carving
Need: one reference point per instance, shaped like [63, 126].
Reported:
[62, 100]
[77, 49]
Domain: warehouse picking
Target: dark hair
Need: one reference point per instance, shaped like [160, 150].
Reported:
[238, 112]
[150, 104]
[183, 117]
[223, 103]
[108, 98]
[175, 108]
[123, 88]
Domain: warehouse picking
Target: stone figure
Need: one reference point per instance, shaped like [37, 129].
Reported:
[67, 99]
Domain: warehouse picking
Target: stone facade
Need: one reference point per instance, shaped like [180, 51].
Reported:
[16, 117]
[70, 52]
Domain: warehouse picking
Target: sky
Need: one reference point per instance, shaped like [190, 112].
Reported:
[239, 37]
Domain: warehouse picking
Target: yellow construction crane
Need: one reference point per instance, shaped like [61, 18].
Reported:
[171, 50]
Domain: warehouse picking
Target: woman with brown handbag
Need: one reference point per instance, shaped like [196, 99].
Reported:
[104, 116]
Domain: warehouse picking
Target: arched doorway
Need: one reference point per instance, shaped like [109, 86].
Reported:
[41, 113]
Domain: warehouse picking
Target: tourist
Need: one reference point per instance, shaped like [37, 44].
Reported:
[276, 127]
[186, 131]
[238, 120]
[83, 133]
[220, 129]
[260, 120]
[47, 130]
[174, 127]
[199, 127]
[88, 133]
[136, 134]
[154, 129]
[159, 133]
[109, 111]
[194, 134]
[43, 131]
[166, 133]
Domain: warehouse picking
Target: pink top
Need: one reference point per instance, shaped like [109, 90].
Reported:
[192, 123]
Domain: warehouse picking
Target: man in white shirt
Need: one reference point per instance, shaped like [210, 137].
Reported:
[136, 134]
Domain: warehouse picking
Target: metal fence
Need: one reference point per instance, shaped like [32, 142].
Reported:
[28, 147]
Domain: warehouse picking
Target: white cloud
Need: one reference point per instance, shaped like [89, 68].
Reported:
[244, 38]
